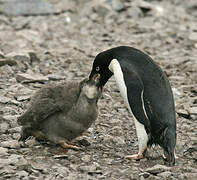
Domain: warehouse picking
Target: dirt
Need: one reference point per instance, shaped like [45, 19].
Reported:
[36, 50]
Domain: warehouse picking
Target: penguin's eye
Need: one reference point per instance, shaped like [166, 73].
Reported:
[97, 68]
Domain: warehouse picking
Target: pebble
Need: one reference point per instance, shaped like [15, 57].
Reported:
[116, 5]
[23, 7]
[4, 127]
[7, 62]
[193, 36]
[86, 158]
[14, 130]
[29, 78]
[165, 174]
[3, 151]
[22, 175]
[4, 99]
[193, 110]
[157, 169]
[13, 144]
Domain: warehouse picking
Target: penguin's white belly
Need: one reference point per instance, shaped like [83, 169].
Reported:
[118, 74]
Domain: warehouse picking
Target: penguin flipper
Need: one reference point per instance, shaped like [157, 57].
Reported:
[135, 91]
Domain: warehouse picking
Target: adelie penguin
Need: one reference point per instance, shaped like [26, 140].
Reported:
[147, 94]
[60, 112]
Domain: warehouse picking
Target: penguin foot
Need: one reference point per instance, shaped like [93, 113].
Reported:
[68, 146]
[135, 156]
[165, 156]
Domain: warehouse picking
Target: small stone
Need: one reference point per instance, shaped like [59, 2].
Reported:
[23, 7]
[119, 140]
[31, 142]
[193, 110]
[22, 174]
[145, 6]
[157, 169]
[144, 174]
[183, 113]
[165, 174]
[193, 36]
[33, 57]
[13, 144]
[30, 78]
[55, 77]
[116, 5]
[7, 62]
[1, 54]
[90, 168]
[135, 12]
[63, 156]
[4, 127]
[63, 171]
[86, 158]
[3, 151]
[12, 120]
[4, 162]
[23, 98]
[14, 130]
[4, 100]
[16, 136]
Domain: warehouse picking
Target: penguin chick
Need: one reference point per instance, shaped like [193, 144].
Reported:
[61, 112]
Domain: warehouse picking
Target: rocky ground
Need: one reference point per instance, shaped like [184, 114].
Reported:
[59, 41]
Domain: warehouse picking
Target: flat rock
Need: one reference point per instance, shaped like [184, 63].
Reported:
[183, 113]
[31, 142]
[12, 120]
[116, 5]
[157, 169]
[165, 174]
[4, 127]
[13, 144]
[9, 62]
[4, 99]
[4, 162]
[24, 7]
[14, 130]
[193, 36]
[22, 175]
[30, 78]
[3, 151]
[193, 110]
[86, 158]
[23, 98]
[55, 77]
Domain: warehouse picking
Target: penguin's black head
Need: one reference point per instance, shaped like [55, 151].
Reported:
[100, 65]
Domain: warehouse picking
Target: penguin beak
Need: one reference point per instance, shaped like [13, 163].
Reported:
[97, 80]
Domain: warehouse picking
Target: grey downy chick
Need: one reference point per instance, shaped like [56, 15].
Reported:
[62, 112]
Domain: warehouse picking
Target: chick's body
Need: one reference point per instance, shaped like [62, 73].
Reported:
[61, 112]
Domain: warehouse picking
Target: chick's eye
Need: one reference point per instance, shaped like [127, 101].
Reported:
[97, 68]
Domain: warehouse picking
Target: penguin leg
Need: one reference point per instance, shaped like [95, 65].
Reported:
[136, 107]
[65, 145]
[131, 89]
[142, 141]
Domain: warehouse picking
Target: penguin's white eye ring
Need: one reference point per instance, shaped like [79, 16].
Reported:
[97, 68]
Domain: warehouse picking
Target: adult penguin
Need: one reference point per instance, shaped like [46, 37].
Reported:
[147, 94]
